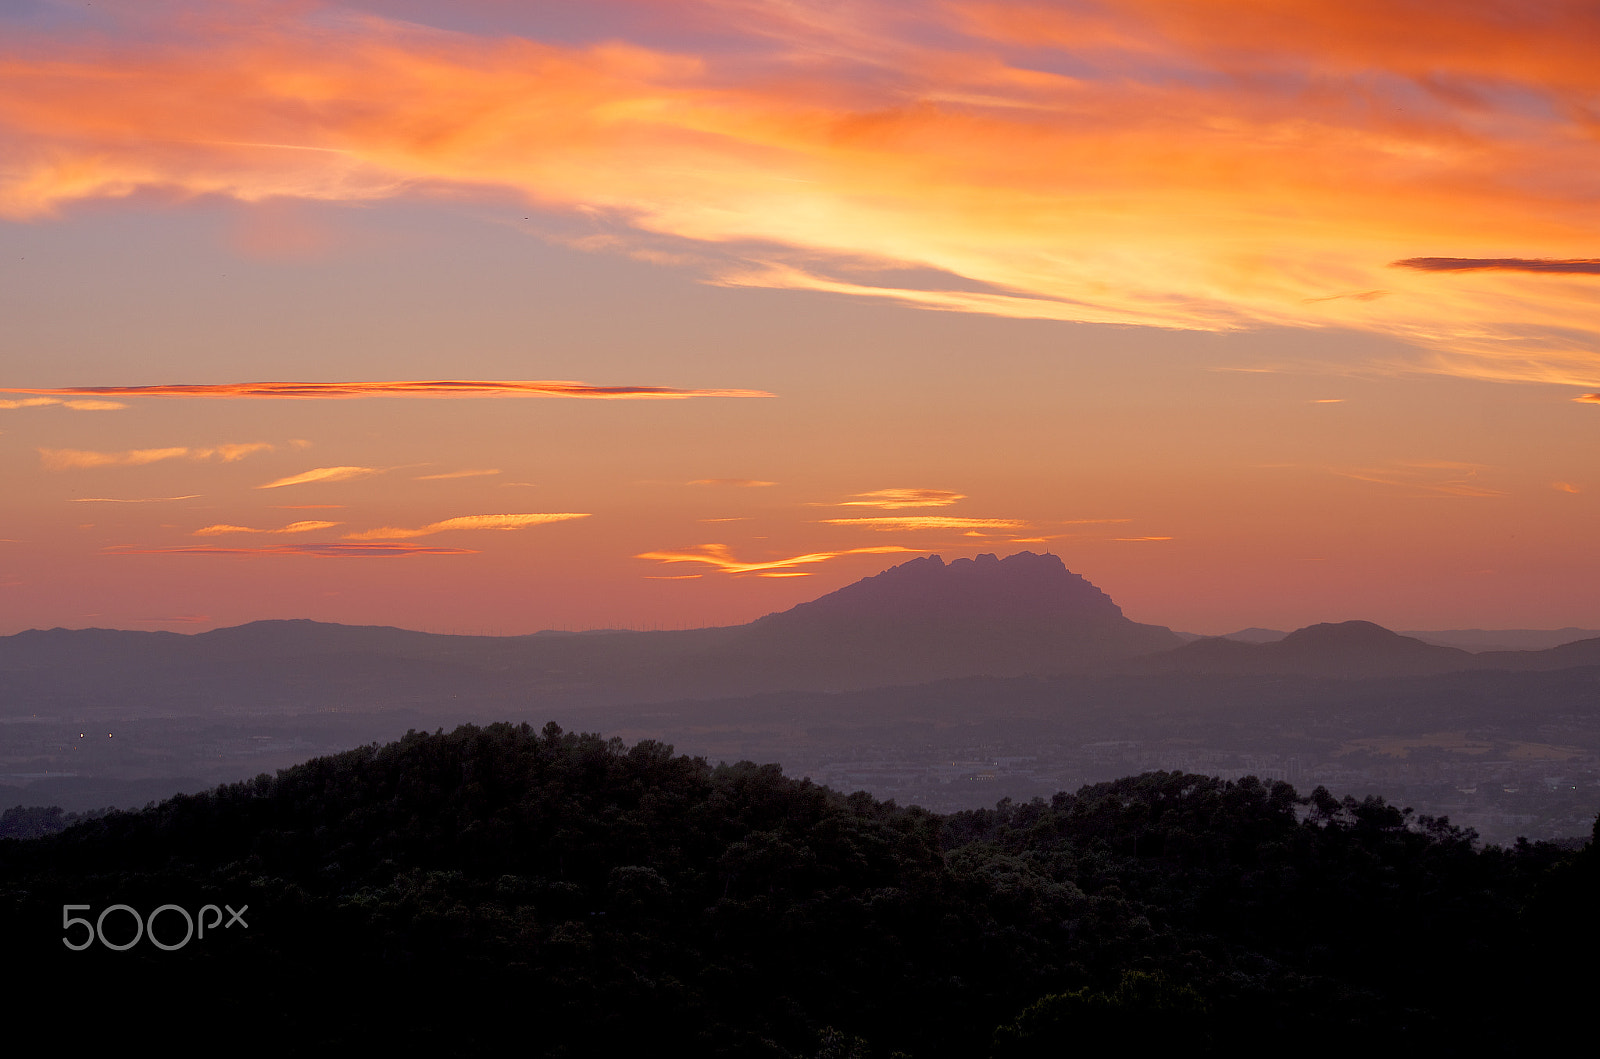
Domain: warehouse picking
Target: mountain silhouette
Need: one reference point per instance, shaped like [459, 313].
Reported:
[922, 620]
[927, 619]
[1329, 649]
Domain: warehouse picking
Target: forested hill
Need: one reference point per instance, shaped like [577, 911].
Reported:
[568, 895]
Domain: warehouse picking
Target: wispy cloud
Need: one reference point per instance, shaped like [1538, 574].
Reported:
[466, 522]
[435, 388]
[293, 527]
[1582, 265]
[322, 474]
[332, 550]
[721, 557]
[1594, 397]
[930, 522]
[455, 474]
[1426, 477]
[135, 500]
[78, 406]
[892, 499]
[740, 483]
[78, 459]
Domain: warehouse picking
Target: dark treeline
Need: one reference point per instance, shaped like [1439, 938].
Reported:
[575, 896]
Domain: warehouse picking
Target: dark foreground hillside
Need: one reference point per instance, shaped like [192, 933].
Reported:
[559, 894]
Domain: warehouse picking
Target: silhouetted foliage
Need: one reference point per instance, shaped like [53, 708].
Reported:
[585, 897]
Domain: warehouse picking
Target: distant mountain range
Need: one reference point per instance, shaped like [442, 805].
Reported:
[1466, 639]
[921, 621]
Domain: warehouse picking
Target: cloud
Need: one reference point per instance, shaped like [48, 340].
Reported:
[70, 459]
[1595, 397]
[721, 557]
[1137, 539]
[80, 406]
[136, 500]
[1426, 477]
[466, 522]
[334, 550]
[404, 388]
[322, 474]
[927, 522]
[1565, 487]
[1584, 266]
[454, 474]
[1166, 163]
[293, 527]
[892, 499]
[742, 483]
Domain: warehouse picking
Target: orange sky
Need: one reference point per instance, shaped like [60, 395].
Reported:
[1257, 312]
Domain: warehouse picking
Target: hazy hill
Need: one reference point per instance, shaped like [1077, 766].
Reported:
[1342, 649]
[922, 620]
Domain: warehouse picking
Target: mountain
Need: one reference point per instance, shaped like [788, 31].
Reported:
[922, 620]
[1330, 649]
[1503, 639]
[927, 619]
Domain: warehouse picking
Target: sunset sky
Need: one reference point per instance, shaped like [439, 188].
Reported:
[493, 316]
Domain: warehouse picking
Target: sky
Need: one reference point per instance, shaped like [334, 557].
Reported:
[491, 316]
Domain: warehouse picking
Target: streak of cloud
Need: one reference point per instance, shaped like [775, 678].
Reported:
[738, 483]
[929, 522]
[294, 527]
[322, 474]
[1583, 266]
[437, 388]
[1594, 397]
[455, 474]
[721, 557]
[332, 550]
[134, 500]
[80, 459]
[1426, 477]
[466, 522]
[78, 406]
[893, 499]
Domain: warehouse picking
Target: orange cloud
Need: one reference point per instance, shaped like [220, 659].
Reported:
[80, 406]
[293, 527]
[135, 500]
[334, 550]
[454, 474]
[68, 459]
[1595, 397]
[350, 390]
[743, 483]
[721, 557]
[925, 522]
[322, 474]
[892, 499]
[1209, 164]
[466, 522]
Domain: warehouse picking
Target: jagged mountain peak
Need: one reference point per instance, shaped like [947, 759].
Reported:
[1022, 587]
